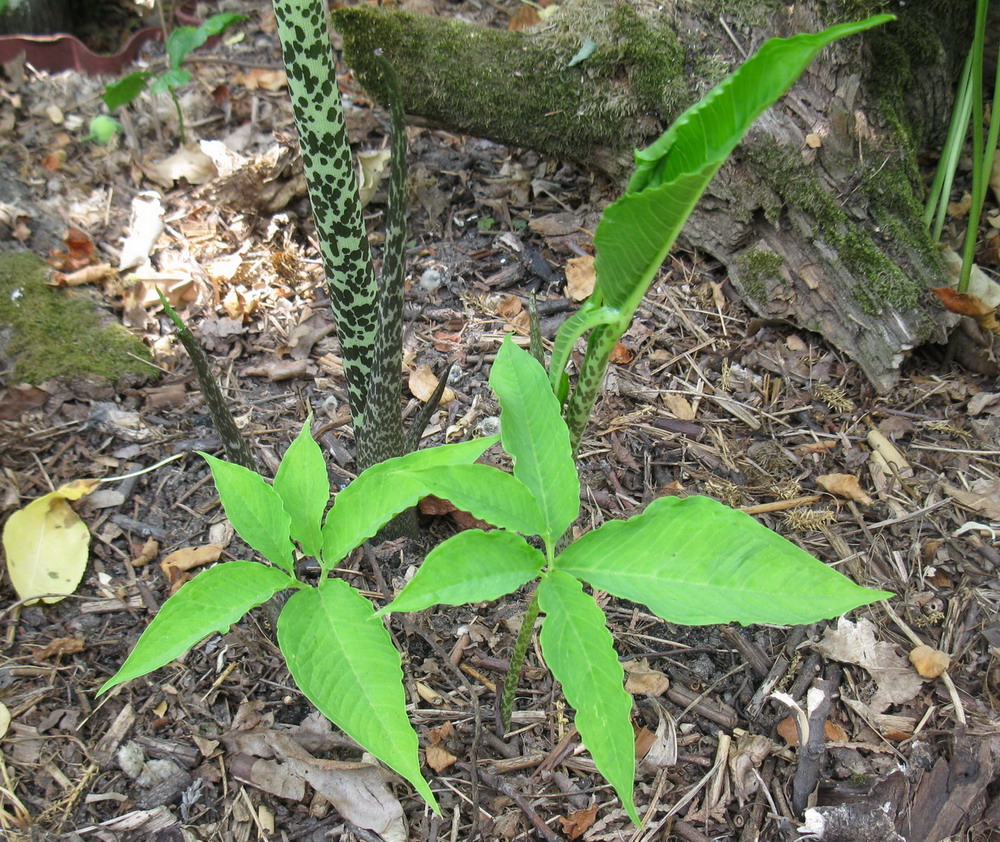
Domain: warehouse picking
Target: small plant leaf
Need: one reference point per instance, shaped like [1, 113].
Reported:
[102, 129]
[698, 562]
[211, 602]
[185, 39]
[171, 80]
[472, 566]
[347, 666]
[383, 491]
[303, 485]
[255, 510]
[488, 494]
[534, 434]
[125, 90]
[580, 652]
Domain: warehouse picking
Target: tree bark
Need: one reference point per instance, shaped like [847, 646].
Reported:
[816, 216]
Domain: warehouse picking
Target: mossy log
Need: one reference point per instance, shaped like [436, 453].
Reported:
[817, 215]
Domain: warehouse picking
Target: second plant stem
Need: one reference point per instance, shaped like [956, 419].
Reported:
[517, 661]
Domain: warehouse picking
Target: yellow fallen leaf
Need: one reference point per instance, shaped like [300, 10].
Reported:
[423, 382]
[844, 485]
[580, 277]
[46, 544]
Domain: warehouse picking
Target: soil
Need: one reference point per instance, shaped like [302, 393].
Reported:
[701, 399]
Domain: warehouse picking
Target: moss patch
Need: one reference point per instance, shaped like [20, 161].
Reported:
[52, 334]
[757, 266]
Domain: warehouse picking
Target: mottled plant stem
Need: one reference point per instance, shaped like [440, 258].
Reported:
[517, 661]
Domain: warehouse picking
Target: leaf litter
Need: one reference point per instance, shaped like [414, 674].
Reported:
[690, 390]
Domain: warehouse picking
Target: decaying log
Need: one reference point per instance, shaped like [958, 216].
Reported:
[816, 217]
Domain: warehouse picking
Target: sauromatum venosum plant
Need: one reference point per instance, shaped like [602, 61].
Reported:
[341, 658]
[691, 561]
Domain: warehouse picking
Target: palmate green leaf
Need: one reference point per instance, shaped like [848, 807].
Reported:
[533, 432]
[636, 232]
[580, 652]
[383, 491]
[254, 509]
[211, 602]
[472, 566]
[346, 665]
[303, 485]
[698, 562]
[487, 493]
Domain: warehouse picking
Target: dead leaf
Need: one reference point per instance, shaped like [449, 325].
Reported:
[423, 382]
[179, 562]
[147, 553]
[750, 751]
[17, 400]
[439, 758]
[262, 78]
[679, 406]
[59, 646]
[4, 720]
[80, 251]
[524, 17]
[555, 224]
[621, 354]
[967, 304]
[854, 643]
[658, 750]
[832, 732]
[982, 497]
[87, 275]
[276, 370]
[960, 209]
[844, 485]
[188, 163]
[46, 544]
[509, 306]
[929, 662]
[577, 823]
[642, 680]
[580, 277]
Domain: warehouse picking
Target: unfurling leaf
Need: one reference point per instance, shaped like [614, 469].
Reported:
[46, 544]
[303, 485]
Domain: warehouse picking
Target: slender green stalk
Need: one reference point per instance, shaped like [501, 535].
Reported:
[180, 116]
[980, 174]
[517, 661]
[535, 331]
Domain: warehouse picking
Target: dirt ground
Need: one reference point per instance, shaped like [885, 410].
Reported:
[702, 398]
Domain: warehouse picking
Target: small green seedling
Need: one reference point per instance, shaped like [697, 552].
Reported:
[342, 660]
[182, 41]
[691, 561]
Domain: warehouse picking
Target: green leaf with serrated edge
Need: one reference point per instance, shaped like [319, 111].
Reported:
[533, 432]
[346, 665]
[472, 566]
[589, 315]
[580, 652]
[125, 90]
[636, 232]
[698, 562]
[211, 602]
[254, 509]
[486, 493]
[383, 491]
[303, 485]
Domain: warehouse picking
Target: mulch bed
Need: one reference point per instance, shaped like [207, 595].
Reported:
[702, 399]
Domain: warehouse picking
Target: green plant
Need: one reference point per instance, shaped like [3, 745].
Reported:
[968, 106]
[181, 42]
[342, 660]
[691, 561]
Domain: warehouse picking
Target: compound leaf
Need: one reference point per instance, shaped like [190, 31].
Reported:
[303, 485]
[346, 665]
[254, 509]
[472, 566]
[533, 432]
[487, 493]
[383, 491]
[698, 562]
[579, 650]
[211, 602]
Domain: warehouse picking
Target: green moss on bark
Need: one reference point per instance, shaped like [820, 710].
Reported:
[53, 334]
[758, 265]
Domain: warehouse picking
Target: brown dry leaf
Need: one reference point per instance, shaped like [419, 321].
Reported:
[745, 758]
[844, 485]
[577, 823]
[147, 553]
[524, 17]
[928, 661]
[817, 447]
[59, 646]
[658, 750]
[80, 251]
[982, 497]
[854, 643]
[832, 732]
[621, 354]
[580, 277]
[509, 306]
[423, 382]
[967, 304]
[439, 758]
[276, 370]
[188, 163]
[446, 342]
[556, 224]
[87, 275]
[19, 399]
[642, 680]
[179, 562]
[262, 78]
[960, 209]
